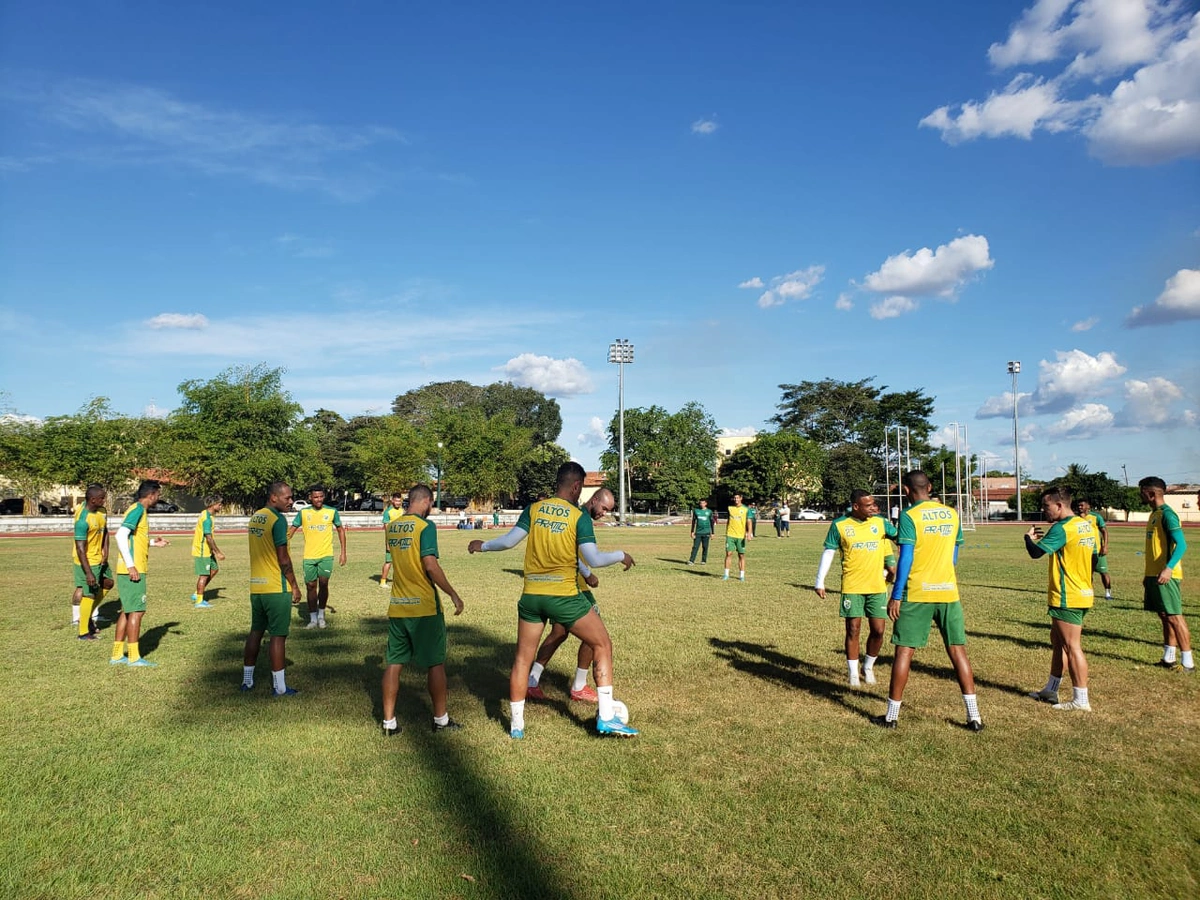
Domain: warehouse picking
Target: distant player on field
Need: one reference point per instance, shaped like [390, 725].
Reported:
[862, 537]
[1165, 547]
[205, 554]
[785, 520]
[1072, 543]
[271, 576]
[599, 506]
[1083, 509]
[133, 547]
[559, 534]
[926, 592]
[395, 511]
[703, 526]
[737, 533]
[318, 523]
[416, 623]
[90, 554]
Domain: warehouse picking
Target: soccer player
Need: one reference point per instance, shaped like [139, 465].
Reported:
[599, 506]
[737, 533]
[559, 534]
[395, 511]
[271, 574]
[1165, 547]
[1083, 509]
[702, 531]
[1072, 542]
[318, 523]
[785, 520]
[926, 592]
[93, 578]
[416, 624]
[205, 553]
[752, 521]
[133, 548]
[862, 537]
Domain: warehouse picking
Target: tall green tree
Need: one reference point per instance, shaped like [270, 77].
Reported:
[391, 455]
[832, 412]
[847, 469]
[240, 431]
[481, 457]
[96, 445]
[24, 461]
[528, 407]
[777, 465]
[422, 405]
[537, 474]
[670, 456]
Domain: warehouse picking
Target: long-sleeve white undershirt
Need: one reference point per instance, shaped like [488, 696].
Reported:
[823, 569]
[123, 535]
[590, 553]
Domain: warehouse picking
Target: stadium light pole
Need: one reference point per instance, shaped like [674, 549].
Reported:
[1014, 369]
[439, 492]
[620, 352]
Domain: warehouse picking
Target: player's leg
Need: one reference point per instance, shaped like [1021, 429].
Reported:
[118, 650]
[322, 596]
[579, 687]
[950, 622]
[1183, 639]
[558, 634]
[279, 623]
[876, 625]
[853, 627]
[728, 555]
[742, 566]
[910, 632]
[391, 690]
[695, 549]
[528, 635]
[1069, 630]
[591, 629]
[133, 631]
[438, 693]
[310, 590]
[76, 599]
[704, 547]
[901, 663]
[1049, 693]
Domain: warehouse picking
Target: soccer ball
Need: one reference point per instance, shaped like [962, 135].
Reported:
[621, 712]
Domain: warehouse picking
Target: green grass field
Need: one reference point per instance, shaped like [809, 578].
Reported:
[756, 774]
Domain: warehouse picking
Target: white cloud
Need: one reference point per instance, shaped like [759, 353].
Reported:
[1148, 404]
[1088, 420]
[1128, 79]
[796, 285]
[844, 302]
[892, 307]
[1002, 406]
[1179, 301]
[705, 126]
[596, 435]
[553, 377]
[1085, 324]
[754, 282]
[1071, 377]
[939, 272]
[747, 431]
[192, 321]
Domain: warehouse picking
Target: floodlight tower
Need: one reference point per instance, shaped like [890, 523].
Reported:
[620, 352]
[1014, 369]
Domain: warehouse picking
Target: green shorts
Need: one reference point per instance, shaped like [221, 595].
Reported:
[590, 598]
[419, 640]
[735, 545]
[1100, 564]
[911, 629]
[1162, 598]
[100, 572]
[132, 593]
[205, 566]
[271, 613]
[318, 568]
[565, 611]
[1072, 616]
[873, 606]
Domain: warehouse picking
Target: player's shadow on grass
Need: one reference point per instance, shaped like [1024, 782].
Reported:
[149, 640]
[946, 673]
[1114, 636]
[677, 562]
[1031, 644]
[765, 662]
[520, 573]
[213, 593]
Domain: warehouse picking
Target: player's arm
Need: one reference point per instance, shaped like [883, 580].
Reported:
[1032, 536]
[823, 570]
[341, 530]
[504, 542]
[693, 534]
[103, 547]
[81, 549]
[594, 557]
[126, 551]
[433, 569]
[589, 577]
[279, 532]
[1177, 543]
[903, 568]
[212, 545]
[1103, 529]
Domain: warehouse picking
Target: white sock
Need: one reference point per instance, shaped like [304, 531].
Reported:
[74, 615]
[278, 681]
[869, 663]
[535, 674]
[1080, 695]
[852, 666]
[1052, 683]
[517, 714]
[312, 617]
[443, 719]
[742, 575]
[1107, 594]
[972, 707]
[580, 681]
[1186, 658]
[606, 702]
[390, 724]
[893, 710]
[726, 573]
[248, 676]
[320, 615]
[1168, 653]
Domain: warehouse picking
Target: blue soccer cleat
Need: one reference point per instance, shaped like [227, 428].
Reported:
[203, 604]
[614, 726]
[286, 692]
[517, 734]
[143, 664]
[246, 687]
[123, 661]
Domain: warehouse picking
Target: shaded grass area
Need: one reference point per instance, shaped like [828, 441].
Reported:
[756, 774]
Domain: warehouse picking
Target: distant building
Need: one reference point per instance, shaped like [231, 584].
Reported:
[727, 444]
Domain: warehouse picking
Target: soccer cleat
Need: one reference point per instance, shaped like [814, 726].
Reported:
[449, 726]
[246, 687]
[586, 694]
[123, 661]
[975, 725]
[392, 732]
[1163, 664]
[1073, 706]
[691, 562]
[869, 676]
[90, 636]
[1044, 696]
[517, 734]
[286, 692]
[853, 682]
[143, 663]
[883, 721]
[1184, 670]
[614, 726]
[533, 692]
[321, 623]
[311, 624]
[725, 578]
[203, 604]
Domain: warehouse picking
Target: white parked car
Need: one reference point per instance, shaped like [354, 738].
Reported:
[807, 515]
[300, 504]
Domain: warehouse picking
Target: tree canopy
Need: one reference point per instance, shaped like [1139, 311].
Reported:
[670, 456]
[831, 412]
[778, 465]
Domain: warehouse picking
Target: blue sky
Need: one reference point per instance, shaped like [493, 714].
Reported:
[378, 197]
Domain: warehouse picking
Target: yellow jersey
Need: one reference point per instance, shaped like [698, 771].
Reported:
[1160, 545]
[556, 528]
[204, 526]
[90, 527]
[865, 548]
[410, 539]
[1072, 544]
[318, 526]
[736, 526]
[138, 524]
[267, 530]
[934, 531]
